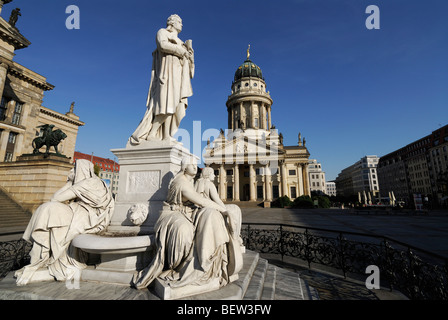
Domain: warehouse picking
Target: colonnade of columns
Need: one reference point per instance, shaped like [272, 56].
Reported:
[267, 181]
[264, 116]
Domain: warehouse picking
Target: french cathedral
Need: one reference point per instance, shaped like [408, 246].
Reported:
[249, 159]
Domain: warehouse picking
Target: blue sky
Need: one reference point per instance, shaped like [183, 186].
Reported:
[350, 91]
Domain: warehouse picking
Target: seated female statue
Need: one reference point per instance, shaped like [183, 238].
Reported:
[191, 237]
[83, 205]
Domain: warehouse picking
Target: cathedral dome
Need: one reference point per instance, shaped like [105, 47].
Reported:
[248, 69]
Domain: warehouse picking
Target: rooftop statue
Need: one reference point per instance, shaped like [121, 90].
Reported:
[14, 17]
[50, 138]
[170, 86]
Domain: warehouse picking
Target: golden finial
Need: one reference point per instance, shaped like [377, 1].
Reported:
[248, 53]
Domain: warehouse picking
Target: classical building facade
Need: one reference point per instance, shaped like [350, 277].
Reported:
[30, 179]
[21, 110]
[249, 158]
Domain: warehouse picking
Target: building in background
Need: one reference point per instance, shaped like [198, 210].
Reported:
[417, 169]
[331, 188]
[250, 161]
[21, 111]
[316, 177]
[109, 170]
[29, 179]
[358, 178]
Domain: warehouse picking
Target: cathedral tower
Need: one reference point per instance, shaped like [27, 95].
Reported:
[249, 105]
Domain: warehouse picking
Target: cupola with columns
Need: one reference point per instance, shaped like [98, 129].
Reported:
[249, 105]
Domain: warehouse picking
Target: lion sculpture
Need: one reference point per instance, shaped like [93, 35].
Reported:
[50, 138]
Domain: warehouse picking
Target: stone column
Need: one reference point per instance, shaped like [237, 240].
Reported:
[252, 183]
[222, 183]
[305, 180]
[241, 115]
[3, 142]
[3, 73]
[268, 185]
[284, 179]
[236, 183]
[263, 116]
[252, 118]
[269, 118]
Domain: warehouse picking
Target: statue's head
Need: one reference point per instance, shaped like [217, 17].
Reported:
[83, 169]
[189, 166]
[175, 21]
[208, 173]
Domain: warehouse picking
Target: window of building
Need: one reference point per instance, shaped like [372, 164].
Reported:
[259, 192]
[229, 172]
[229, 192]
[292, 172]
[246, 174]
[293, 192]
[275, 192]
[8, 157]
[3, 104]
[12, 137]
[17, 113]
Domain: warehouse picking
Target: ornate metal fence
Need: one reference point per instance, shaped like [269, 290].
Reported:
[417, 273]
[13, 255]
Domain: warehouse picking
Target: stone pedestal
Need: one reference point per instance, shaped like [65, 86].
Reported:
[145, 173]
[33, 179]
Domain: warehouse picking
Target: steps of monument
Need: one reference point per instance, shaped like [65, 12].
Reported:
[260, 280]
[11, 213]
[246, 204]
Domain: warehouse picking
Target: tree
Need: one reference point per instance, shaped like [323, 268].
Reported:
[282, 202]
[304, 202]
[96, 169]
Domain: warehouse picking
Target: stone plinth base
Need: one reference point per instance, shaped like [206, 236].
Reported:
[145, 173]
[33, 179]
[165, 292]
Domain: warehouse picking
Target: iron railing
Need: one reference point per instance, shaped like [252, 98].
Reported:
[416, 273]
[13, 255]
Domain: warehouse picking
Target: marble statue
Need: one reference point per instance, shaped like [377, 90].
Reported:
[138, 213]
[193, 239]
[170, 86]
[83, 205]
[205, 187]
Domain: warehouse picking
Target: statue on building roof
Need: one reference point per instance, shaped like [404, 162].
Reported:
[50, 138]
[14, 17]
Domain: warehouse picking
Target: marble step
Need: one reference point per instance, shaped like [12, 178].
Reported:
[258, 280]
